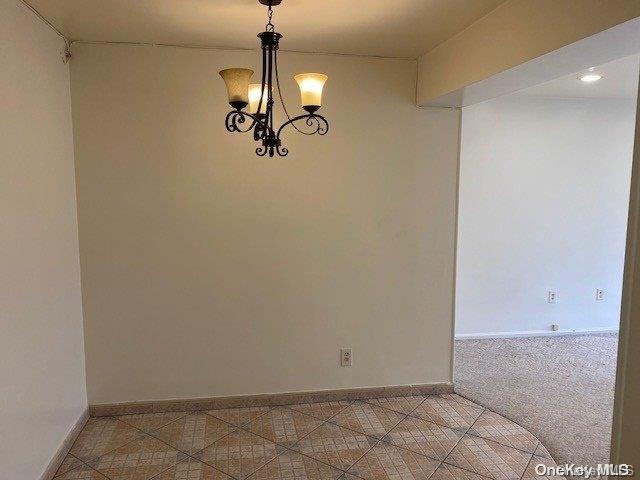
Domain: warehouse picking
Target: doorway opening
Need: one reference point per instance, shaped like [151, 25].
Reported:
[543, 204]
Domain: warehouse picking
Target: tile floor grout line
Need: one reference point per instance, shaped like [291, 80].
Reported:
[235, 428]
[217, 469]
[314, 459]
[380, 440]
[204, 412]
[119, 418]
[360, 458]
[377, 441]
[401, 447]
[368, 435]
[263, 466]
[484, 409]
[437, 468]
[466, 470]
[163, 471]
[526, 467]
[500, 443]
[462, 431]
[278, 444]
[487, 409]
[424, 398]
[190, 455]
[349, 402]
[73, 468]
[466, 432]
[269, 409]
[82, 463]
[466, 398]
[342, 472]
[264, 438]
[139, 438]
[113, 449]
[406, 448]
[441, 424]
[440, 462]
[491, 441]
[209, 465]
[325, 463]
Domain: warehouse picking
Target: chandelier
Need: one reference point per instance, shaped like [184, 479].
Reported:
[253, 103]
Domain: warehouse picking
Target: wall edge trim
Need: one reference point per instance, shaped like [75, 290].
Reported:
[267, 399]
[65, 446]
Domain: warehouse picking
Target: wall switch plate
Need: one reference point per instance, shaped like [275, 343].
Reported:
[552, 297]
[346, 359]
[599, 295]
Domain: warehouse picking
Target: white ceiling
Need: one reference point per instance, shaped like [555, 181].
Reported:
[389, 28]
[619, 80]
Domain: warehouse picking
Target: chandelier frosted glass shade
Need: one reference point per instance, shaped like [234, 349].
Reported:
[237, 82]
[311, 86]
[258, 98]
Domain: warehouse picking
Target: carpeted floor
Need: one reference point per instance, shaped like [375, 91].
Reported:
[559, 388]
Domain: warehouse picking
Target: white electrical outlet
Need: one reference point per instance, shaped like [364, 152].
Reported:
[599, 295]
[346, 359]
[552, 297]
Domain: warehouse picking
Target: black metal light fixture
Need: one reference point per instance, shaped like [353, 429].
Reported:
[259, 97]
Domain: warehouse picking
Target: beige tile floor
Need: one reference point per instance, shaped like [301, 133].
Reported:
[440, 437]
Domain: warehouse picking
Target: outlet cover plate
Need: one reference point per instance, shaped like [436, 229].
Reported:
[346, 357]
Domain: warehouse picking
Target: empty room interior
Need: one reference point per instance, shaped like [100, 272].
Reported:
[302, 240]
[538, 305]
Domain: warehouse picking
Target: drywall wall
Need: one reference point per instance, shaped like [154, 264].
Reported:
[544, 188]
[514, 33]
[210, 271]
[41, 344]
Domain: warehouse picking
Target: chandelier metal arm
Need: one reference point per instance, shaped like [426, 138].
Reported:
[269, 68]
[284, 107]
[317, 122]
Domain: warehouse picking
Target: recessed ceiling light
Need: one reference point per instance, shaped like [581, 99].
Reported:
[589, 77]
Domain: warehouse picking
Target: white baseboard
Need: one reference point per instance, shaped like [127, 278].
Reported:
[268, 399]
[533, 333]
[65, 446]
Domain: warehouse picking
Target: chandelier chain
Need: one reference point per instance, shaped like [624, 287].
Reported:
[270, 26]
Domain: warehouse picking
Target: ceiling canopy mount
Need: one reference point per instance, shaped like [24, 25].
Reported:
[271, 3]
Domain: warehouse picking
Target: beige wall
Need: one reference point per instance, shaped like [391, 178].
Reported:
[209, 271]
[42, 391]
[514, 33]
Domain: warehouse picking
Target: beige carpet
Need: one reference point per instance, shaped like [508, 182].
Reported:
[559, 388]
